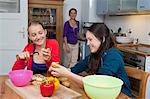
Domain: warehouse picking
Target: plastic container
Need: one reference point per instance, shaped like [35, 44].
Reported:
[20, 77]
[102, 86]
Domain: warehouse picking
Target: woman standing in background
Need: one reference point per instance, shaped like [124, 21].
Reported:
[70, 35]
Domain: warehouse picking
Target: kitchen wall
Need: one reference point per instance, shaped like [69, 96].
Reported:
[139, 25]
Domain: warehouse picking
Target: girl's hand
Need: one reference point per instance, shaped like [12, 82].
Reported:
[24, 55]
[67, 49]
[46, 53]
[60, 71]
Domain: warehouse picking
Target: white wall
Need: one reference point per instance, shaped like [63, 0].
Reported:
[139, 25]
[71, 4]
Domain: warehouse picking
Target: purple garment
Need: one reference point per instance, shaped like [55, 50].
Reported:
[71, 33]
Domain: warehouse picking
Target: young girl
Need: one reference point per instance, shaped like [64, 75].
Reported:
[104, 59]
[39, 55]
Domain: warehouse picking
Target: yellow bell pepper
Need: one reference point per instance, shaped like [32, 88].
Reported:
[56, 82]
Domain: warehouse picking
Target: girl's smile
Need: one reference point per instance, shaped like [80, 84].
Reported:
[92, 42]
[37, 34]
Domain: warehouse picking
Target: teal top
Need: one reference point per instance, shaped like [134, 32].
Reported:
[111, 64]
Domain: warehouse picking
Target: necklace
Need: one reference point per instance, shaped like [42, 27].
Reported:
[73, 23]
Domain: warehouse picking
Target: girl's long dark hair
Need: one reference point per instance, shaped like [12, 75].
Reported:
[102, 33]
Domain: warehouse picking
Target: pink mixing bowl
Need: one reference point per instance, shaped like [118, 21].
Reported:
[20, 77]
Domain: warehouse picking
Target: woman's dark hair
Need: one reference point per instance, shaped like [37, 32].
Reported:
[71, 10]
[102, 33]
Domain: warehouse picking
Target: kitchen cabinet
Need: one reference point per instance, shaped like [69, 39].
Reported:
[115, 6]
[144, 5]
[129, 5]
[122, 7]
[47, 16]
[50, 14]
[107, 6]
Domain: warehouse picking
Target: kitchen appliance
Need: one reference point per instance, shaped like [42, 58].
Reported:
[138, 56]
[88, 10]
[83, 48]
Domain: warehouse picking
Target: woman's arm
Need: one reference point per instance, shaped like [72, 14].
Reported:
[65, 31]
[76, 78]
[80, 66]
[65, 41]
[61, 71]
[64, 72]
[21, 62]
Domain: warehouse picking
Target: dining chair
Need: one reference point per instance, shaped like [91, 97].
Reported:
[137, 77]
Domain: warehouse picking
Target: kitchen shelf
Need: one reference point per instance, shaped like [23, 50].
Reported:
[39, 15]
[49, 13]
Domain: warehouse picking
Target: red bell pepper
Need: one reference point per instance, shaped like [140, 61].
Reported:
[47, 88]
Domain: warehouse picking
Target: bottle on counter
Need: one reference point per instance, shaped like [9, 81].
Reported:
[135, 41]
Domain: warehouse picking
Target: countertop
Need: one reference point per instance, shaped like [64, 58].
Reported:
[132, 48]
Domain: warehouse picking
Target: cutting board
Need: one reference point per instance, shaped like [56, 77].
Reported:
[33, 92]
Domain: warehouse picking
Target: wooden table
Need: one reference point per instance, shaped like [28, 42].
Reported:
[2, 83]
[74, 86]
[33, 92]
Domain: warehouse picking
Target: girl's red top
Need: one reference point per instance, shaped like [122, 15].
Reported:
[55, 55]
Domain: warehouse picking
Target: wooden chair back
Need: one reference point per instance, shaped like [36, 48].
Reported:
[141, 76]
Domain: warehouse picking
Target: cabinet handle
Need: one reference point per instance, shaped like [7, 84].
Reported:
[142, 6]
[23, 30]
